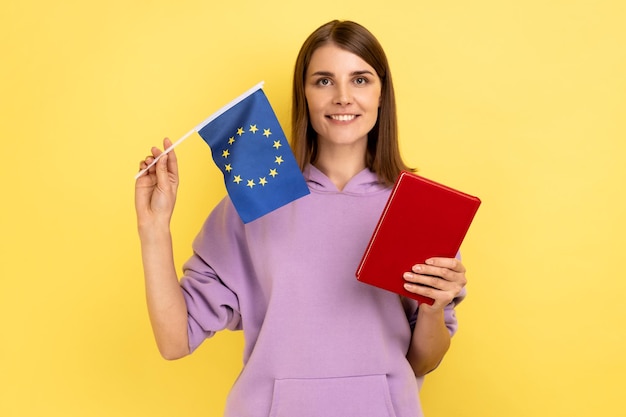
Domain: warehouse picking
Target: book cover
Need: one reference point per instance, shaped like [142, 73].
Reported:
[421, 219]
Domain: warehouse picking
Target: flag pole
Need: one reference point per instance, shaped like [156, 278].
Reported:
[208, 120]
[175, 144]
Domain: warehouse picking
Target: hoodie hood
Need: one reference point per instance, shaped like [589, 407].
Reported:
[365, 182]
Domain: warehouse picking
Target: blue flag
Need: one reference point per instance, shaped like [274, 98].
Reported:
[250, 148]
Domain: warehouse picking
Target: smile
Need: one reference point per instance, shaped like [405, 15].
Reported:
[343, 117]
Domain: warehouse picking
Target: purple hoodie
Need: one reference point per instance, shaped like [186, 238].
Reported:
[317, 341]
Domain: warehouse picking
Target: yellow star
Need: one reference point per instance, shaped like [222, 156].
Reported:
[277, 144]
[279, 160]
[240, 131]
[262, 181]
[250, 183]
[228, 168]
[231, 140]
[237, 179]
[273, 173]
[253, 128]
[225, 153]
[266, 133]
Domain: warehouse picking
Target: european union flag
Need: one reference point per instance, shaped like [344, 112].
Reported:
[250, 148]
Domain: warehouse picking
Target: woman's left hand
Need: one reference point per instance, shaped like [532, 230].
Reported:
[441, 279]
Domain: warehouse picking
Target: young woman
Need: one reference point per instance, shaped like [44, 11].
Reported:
[317, 341]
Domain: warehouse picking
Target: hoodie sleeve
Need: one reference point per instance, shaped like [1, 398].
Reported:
[212, 302]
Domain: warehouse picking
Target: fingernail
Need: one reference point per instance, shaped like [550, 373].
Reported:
[417, 268]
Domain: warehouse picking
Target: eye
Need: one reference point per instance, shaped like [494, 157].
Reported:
[361, 81]
[323, 82]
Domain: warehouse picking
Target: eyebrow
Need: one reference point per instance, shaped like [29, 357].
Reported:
[330, 74]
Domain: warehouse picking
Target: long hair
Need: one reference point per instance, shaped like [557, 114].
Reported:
[383, 153]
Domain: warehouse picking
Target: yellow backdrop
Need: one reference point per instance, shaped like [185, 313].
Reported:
[521, 103]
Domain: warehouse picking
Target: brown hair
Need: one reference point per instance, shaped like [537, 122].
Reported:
[383, 153]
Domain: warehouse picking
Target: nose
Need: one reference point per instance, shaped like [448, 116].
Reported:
[343, 95]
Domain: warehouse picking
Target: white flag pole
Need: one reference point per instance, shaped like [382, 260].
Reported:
[175, 144]
[214, 116]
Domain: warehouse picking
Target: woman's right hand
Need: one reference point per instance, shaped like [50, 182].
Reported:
[155, 190]
[155, 196]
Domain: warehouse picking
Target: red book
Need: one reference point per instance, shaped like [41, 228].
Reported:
[421, 219]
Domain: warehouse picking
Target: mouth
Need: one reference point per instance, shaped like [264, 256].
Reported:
[342, 117]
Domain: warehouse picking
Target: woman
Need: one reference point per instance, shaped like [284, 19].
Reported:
[317, 341]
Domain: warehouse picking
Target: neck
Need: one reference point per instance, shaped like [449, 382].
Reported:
[340, 170]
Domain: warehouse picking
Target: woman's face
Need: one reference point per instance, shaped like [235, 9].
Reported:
[343, 95]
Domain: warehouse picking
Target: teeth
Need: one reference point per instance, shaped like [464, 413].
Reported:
[342, 117]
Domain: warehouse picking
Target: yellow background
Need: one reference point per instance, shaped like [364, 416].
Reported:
[521, 103]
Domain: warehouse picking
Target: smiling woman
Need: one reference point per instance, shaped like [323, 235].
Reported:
[317, 342]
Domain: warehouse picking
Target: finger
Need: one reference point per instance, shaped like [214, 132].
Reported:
[446, 274]
[150, 164]
[155, 152]
[423, 290]
[443, 291]
[143, 164]
[450, 263]
[167, 143]
[430, 270]
[431, 281]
